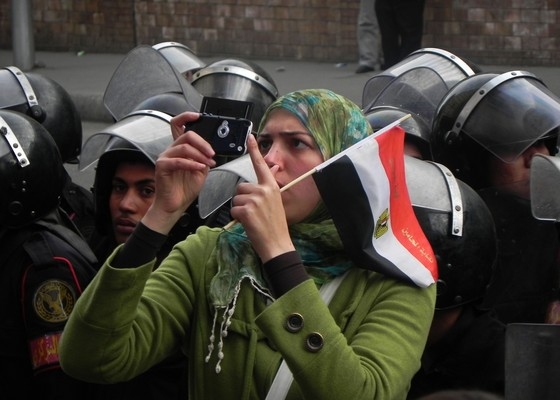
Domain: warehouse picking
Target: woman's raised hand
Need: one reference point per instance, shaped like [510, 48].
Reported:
[258, 206]
[181, 170]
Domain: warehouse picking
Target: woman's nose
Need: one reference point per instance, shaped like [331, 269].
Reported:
[273, 156]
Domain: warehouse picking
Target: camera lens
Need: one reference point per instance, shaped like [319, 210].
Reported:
[223, 130]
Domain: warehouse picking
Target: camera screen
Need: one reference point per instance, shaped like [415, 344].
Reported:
[226, 107]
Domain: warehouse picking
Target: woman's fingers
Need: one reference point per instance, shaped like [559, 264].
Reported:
[191, 146]
[262, 170]
[178, 122]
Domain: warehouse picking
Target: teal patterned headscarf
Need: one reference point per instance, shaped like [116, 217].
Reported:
[335, 123]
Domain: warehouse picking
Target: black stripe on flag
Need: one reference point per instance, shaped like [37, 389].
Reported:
[344, 196]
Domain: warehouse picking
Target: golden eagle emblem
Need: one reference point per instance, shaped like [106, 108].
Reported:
[382, 224]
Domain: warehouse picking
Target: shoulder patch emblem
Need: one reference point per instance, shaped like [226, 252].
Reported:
[382, 224]
[53, 301]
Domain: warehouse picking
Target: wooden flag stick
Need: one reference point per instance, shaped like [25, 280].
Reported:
[298, 180]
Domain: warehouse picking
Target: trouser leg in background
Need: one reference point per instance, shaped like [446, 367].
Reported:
[388, 27]
[411, 26]
[369, 38]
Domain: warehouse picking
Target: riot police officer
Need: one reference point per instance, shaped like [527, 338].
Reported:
[45, 263]
[487, 129]
[466, 344]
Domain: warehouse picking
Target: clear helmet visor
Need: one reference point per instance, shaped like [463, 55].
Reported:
[145, 73]
[180, 56]
[147, 130]
[450, 68]
[419, 91]
[221, 183]
[545, 187]
[507, 118]
[427, 186]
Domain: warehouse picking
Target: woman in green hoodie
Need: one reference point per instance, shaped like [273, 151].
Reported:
[245, 302]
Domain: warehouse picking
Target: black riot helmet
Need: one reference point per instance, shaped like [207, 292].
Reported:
[459, 227]
[493, 115]
[241, 80]
[181, 57]
[418, 82]
[139, 137]
[416, 130]
[47, 102]
[32, 174]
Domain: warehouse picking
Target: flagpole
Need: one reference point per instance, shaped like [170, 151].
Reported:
[312, 171]
[298, 180]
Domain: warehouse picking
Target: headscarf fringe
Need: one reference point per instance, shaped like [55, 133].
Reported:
[226, 320]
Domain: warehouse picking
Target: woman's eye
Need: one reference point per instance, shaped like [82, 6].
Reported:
[264, 145]
[299, 143]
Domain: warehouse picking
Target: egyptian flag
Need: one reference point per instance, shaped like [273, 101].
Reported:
[364, 189]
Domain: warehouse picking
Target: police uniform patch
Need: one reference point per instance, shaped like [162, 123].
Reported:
[44, 350]
[53, 301]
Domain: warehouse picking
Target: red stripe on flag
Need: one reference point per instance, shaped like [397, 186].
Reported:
[405, 226]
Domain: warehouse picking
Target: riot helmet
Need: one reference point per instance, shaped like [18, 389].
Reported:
[459, 227]
[139, 137]
[416, 130]
[181, 57]
[31, 169]
[437, 70]
[145, 79]
[47, 102]
[241, 80]
[493, 115]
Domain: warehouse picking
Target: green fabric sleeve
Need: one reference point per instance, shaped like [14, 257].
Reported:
[111, 332]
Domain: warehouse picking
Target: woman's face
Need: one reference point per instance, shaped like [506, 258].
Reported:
[286, 143]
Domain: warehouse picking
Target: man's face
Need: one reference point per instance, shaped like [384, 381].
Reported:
[514, 176]
[132, 193]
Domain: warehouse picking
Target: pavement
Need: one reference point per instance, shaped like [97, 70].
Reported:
[86, 75]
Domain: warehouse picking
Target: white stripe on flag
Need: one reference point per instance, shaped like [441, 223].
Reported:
[377, 188]
[405, 247]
